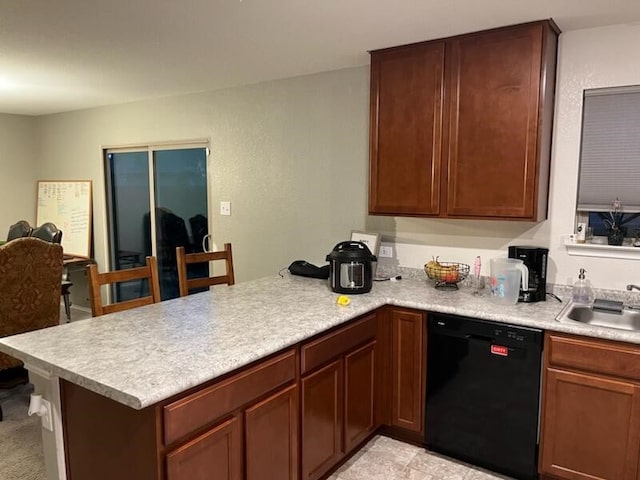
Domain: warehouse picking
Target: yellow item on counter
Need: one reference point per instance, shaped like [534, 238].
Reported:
[343, 300]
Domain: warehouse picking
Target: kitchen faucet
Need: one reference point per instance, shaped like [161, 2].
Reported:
[631, 287]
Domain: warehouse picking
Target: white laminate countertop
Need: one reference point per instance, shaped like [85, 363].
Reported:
[141, 356]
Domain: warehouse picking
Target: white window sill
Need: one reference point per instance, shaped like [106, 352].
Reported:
[603, 250]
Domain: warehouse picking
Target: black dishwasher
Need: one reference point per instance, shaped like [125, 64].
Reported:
[483, 393]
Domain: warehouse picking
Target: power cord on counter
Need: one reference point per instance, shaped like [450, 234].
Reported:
[553, 295]
[393, 279]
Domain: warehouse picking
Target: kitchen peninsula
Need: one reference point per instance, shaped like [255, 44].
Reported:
[158, 385]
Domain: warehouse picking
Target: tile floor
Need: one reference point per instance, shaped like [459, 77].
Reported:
[387, 459]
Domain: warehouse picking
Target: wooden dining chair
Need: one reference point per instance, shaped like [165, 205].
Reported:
[184, 259]
[96, 280]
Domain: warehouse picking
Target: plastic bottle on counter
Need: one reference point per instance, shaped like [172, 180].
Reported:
[582, 291]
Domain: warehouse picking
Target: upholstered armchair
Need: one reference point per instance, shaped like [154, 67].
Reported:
[30, 272]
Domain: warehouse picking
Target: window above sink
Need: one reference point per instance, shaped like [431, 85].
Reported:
[608, 197]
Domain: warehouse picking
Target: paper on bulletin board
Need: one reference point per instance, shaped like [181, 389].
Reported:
[67, 204]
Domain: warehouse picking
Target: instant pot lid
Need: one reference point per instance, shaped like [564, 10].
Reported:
[351, 250]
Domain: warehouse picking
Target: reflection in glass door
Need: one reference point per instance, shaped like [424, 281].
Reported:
[180, 184]
[157, 201]
[128, 194]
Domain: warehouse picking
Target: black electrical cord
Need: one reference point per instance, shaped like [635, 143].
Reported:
[554, 296]
[393, 279]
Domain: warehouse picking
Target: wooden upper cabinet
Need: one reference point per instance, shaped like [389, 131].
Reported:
[461, 127]
[407, 88]
[499, 144]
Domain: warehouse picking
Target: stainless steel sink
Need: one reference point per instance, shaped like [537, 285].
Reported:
[627, 319]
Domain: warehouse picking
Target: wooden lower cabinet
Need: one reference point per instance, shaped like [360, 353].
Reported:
[322, 420]
[338, 395]
[257, 443]
[359, 396]
[590, 421]
[215, 455]
[294, 415]
[408, 356]
[271, 437]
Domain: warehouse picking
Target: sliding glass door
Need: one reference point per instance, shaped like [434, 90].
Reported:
[157, 202]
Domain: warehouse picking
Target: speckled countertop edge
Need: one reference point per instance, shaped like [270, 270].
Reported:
[142, 356]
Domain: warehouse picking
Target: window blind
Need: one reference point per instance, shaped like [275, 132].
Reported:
[610, 151]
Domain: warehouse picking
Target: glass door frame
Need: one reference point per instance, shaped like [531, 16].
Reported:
[149, 149]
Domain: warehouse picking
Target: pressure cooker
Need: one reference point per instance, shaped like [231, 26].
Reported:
[350, 266]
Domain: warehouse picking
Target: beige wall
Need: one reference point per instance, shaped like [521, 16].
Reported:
[17, 171]
[291, 156]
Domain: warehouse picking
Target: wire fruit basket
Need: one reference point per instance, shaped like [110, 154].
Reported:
[446, 275]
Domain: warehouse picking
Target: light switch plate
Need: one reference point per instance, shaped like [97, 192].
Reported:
[225, 208]
[385, 252]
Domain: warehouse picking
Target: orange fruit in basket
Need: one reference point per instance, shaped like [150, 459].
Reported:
[450, 276]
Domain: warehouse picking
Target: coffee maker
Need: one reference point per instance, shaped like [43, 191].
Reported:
[535, 259]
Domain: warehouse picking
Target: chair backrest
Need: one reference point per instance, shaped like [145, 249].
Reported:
[183, 259]
[96, 280]
[48, 232]
[30, 272]
[19, 230]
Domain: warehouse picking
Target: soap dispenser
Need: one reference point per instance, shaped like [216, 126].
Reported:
[582, 292]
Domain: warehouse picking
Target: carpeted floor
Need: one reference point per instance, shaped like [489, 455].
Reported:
[21, 456]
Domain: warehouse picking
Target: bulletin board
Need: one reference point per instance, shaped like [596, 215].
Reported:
[67, 204]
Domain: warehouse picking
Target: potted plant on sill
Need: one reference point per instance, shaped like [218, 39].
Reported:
[615, 221]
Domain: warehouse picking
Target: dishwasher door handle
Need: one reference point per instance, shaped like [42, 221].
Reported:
[480, 338]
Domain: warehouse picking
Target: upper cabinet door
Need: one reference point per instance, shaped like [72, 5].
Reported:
[500, 113]
[407, 91]
[461, 127]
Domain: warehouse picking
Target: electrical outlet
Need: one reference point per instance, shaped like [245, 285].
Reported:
[225, 208]
[47, 418]
[385, 252]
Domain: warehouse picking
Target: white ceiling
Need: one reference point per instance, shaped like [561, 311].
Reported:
[66, 55]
